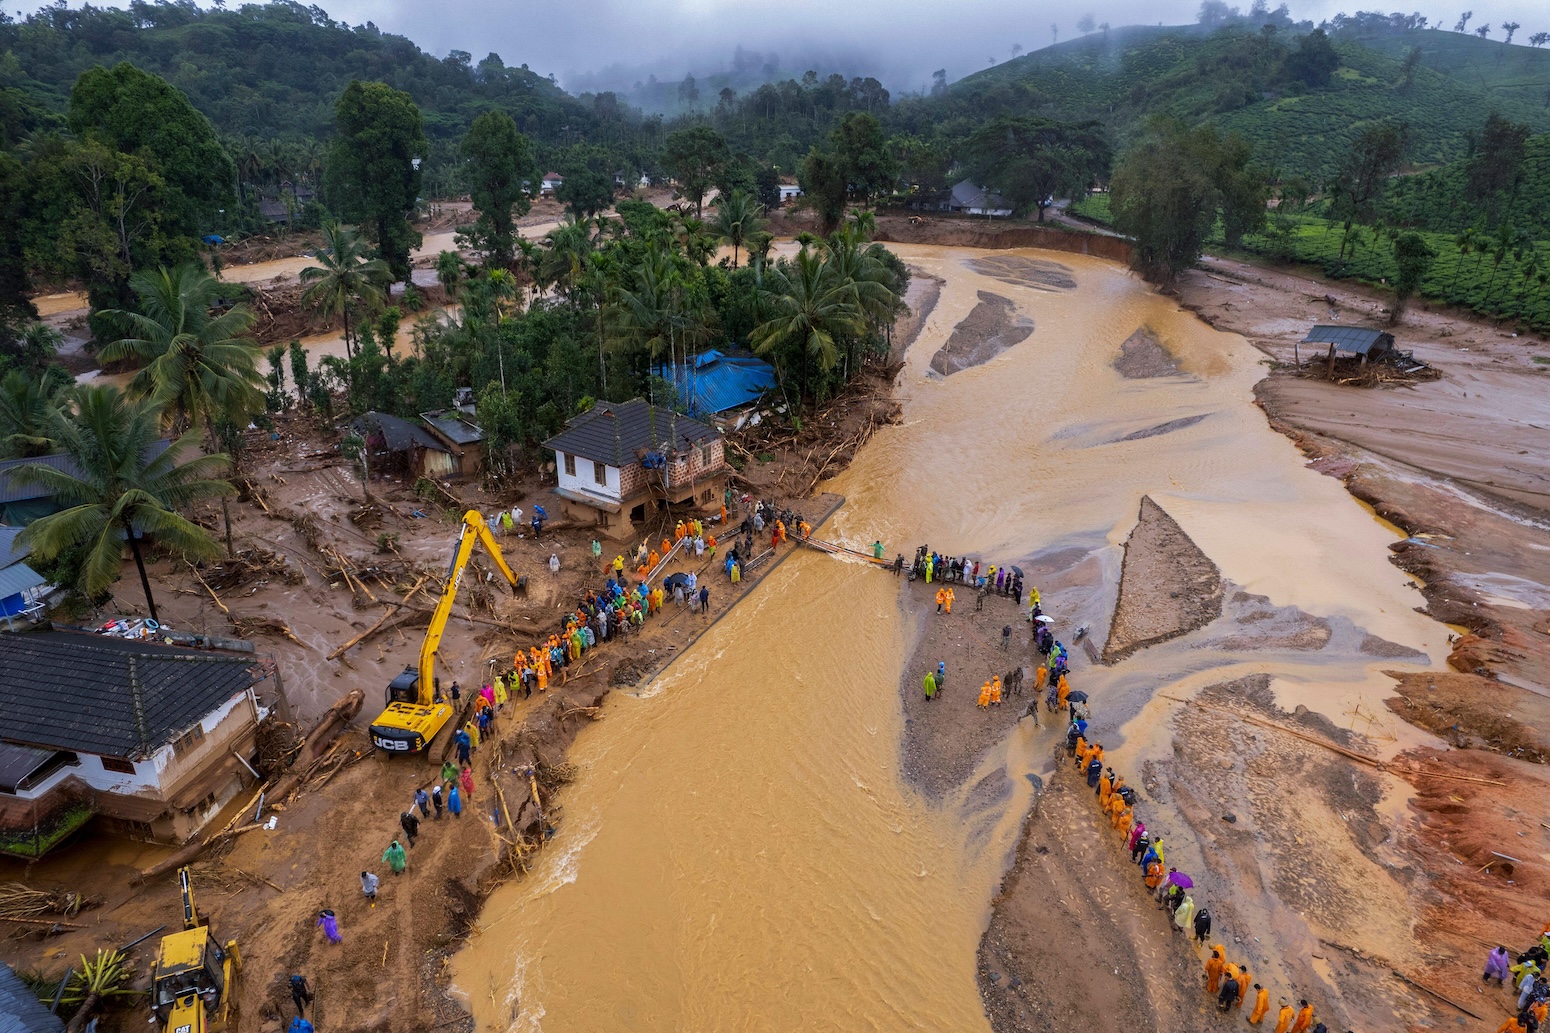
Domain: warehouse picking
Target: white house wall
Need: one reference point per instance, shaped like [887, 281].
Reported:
[584, 480]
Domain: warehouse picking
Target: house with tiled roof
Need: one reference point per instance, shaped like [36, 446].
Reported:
[620, 463]
[151, 739]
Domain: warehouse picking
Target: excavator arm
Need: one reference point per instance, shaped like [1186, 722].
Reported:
[474, 530]
[414, 715]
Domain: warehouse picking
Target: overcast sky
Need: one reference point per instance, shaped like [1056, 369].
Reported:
[900, 41]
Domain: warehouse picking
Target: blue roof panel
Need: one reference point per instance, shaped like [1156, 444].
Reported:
[718, 382]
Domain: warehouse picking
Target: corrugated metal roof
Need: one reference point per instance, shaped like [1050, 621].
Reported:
[966, 194]
[109, 696]
[20, 1011]
[398, 435]
[614, 432]
[1358, 340]
[9, 552]
[12, 491]
[718, 382]
[451, 426]
[18, 577]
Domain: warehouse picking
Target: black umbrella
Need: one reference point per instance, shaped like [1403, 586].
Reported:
[1018, 571]
[674, 580]
[1077, 697]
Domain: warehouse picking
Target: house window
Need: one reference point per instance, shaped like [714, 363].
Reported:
[705, 454]
[570, 465]
[600, 473]
[188, 740]
[118, 764]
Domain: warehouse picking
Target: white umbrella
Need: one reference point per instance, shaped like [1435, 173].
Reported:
[1045, 618]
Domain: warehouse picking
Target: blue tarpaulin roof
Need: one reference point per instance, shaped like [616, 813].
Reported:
[716, 382]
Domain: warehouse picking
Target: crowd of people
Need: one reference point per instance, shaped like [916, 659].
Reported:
[1525, 975]
[1229, 982]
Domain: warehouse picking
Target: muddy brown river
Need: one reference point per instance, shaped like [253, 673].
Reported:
[741, 850]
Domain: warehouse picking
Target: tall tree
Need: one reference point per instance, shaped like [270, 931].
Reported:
[198, 363]
[500, 161]
[693, 156]
[738, 218]
[135, 112]
[1495, 171]
[1414, 257]
[1164, 194]
[824, 188]
[1375, 155]
[122, 489]
[1032, 161]
[374, 169]
[345, 281]
[862, 151]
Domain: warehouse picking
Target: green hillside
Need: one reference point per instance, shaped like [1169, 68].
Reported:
[1438, 199]
[1248, 80]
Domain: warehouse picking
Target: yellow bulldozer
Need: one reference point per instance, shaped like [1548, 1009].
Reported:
[415, 710]
[191, 988]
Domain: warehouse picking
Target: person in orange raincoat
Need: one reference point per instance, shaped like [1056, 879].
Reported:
[941, 599]
[653, 559]
[1154, 876]
[1243, 986]
[995, 690]
[1062, 690]
[1039, 678]
[1117, 807]
[1284, 1019]
[950, 597]
[1304, 1018]
[1261, 1005]
[1216, 964]
[984, 703]
[1123, 820]
[1105, 790]
[1512, 1025]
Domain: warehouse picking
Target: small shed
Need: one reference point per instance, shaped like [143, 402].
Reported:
[398, 445]
[462, 437]
[1357, 341]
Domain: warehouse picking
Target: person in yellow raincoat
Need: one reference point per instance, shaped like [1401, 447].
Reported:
[930, 568]
[984, 703]
[950, 598]
[501, 696]
[1261, 1005]
[995, 690]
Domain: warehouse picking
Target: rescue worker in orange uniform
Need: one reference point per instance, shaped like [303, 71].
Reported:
[1261, 1005]
[1284, 1019]
[1304, 1018]
[984, 703]
[1216, 963]
[1243, 983]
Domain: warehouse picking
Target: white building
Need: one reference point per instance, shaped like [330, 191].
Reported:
[976, 200]
[155, 739]
[621, 461]
[788, 191]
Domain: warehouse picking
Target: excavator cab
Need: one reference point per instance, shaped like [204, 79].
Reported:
[407, 725]
[191, 985]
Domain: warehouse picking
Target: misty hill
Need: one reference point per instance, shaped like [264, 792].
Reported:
[271, 70]
[1264, 83]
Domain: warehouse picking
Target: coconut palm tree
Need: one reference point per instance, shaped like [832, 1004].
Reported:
[121, 488]
[738, 218]
[27, 410]
[344, 280]
[565, 261]
[810, 309]
[197, 364]
[449, 273]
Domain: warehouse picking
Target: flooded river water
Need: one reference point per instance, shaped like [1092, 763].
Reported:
[741, 850]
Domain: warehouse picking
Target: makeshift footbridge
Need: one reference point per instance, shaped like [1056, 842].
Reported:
[835, 549]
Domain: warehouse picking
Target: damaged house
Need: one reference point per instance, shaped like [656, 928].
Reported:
[152, 739]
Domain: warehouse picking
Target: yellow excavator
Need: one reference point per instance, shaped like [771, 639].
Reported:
[415, 710]
[191, 985]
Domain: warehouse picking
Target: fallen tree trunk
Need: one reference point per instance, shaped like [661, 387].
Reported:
[332, 723]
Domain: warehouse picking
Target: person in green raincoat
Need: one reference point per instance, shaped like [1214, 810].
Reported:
[395, 857]
[448, 771]
[930, 685]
